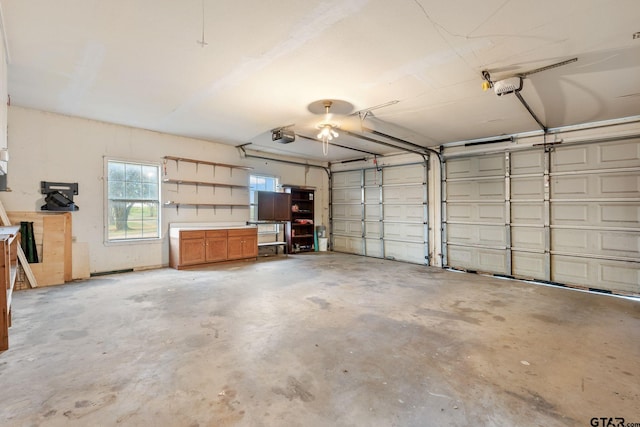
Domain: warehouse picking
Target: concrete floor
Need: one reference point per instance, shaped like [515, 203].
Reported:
[318, 340]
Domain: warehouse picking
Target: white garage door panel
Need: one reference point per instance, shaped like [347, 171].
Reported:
[373, 229]
[372, 177]
[604, 185]
[484, 235]
[527, 162]
[374, 248]
[617, 276]
[352, 212]
[404, 175]
[346, 179]
[348, 228]
[472, 167]
[346, 195]
[409, 252]
[614, 214]
[528, 238]
[527, 188]
[347, 244]
[404, 213]
[403, 194]
[596, 242]
[527, 213]
[476, 212]
[404, 232]
[619, 154]
[372, 212]
[372, 195]
[475, 190]
[528, 265]
[480, 259]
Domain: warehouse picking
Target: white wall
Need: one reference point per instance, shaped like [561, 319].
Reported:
[3, 95]
[51, 147]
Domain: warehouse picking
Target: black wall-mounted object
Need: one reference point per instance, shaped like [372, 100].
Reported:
[59, 196]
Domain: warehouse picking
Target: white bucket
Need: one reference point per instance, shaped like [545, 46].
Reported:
[322, 244]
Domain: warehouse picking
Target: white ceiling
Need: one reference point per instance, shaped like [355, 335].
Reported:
[138, 63]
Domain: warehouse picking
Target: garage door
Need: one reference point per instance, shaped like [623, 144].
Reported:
[381, 212]
[569, 214]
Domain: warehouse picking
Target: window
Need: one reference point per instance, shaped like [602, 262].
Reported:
[133, 201]
[259, 183]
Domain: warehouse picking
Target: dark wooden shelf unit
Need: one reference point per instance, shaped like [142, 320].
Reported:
[300, 236]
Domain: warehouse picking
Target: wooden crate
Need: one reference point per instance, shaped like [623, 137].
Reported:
[52, 232]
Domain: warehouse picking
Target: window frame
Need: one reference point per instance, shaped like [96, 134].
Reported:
[107, 201]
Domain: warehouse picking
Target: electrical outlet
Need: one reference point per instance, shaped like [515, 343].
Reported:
[636, 35]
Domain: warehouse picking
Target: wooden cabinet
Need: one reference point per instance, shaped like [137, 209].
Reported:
[243, 243]
[198, 247]
[300, 236]
[274, 206]
[8, 271]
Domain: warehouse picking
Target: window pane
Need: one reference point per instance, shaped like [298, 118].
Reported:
[133, 173]
[133, 190]
[116, 171]
[116, 189]
[150, 174]
[150, 191]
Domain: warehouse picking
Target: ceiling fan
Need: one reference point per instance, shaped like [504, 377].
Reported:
[514, 83]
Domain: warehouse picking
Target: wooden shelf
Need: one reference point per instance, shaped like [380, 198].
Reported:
[8, 264]
[203, 183]
[204, 162]
[207, 205]
[300, 236]
[194, 181]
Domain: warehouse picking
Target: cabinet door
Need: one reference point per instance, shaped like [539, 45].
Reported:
[243, 243]
[282, 207]
[250, 246]
[234, 247]
[192, 251]
[216, 248]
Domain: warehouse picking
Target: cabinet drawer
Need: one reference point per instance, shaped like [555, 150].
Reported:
[192, 234]
[216, 233]
[234, 232]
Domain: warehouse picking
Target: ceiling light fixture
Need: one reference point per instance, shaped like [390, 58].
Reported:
[327, 129]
